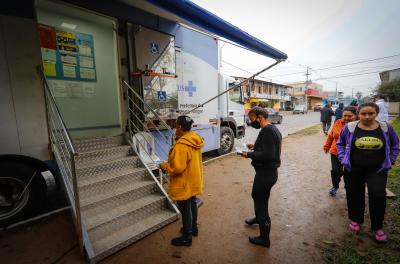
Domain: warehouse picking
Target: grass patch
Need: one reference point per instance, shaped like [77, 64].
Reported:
[360, 249]
[307, 131]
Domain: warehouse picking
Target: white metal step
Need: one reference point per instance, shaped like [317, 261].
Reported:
[88, 144]
[107, 214]
[107, 166]
[93, 196]
[101, 155]
[103, 178]
[131, 233]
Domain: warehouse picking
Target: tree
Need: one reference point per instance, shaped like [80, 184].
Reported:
[359, 95]
[390, 89]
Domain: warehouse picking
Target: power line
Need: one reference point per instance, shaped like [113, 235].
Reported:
[358, 62]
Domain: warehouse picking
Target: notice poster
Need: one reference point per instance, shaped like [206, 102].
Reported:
[67, 55]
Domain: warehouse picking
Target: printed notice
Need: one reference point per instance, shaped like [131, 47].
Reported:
[69, 71]
[87, 73]
[59, 88]
[49, 69]
[75, 89]
[86, 62]
[69, 59]
[88, 89]
[49, 55]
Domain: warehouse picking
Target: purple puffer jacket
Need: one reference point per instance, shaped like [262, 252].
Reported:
[344, 145]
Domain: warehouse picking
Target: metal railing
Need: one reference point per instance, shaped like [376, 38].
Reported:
[64, 153]
[143, 118]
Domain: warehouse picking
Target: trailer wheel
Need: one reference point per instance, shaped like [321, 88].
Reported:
[22, 191]
[227, 141]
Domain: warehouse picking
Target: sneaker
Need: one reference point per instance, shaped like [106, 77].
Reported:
[354, 226]
[195, 231]
[181, 241]
[380, 236]
[333, 191]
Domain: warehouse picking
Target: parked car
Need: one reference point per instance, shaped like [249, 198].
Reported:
[300, 109]
[274, 116]
[317, 107]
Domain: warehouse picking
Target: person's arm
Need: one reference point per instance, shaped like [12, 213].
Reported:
[341, 143]
[394, 144]
[177, 161]
[328, 142]
[269, 145]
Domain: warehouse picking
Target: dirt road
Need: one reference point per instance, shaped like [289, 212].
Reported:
[302, 215]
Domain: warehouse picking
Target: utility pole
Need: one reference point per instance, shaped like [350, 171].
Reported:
[306, 87]
[352, 93]
[336, 95]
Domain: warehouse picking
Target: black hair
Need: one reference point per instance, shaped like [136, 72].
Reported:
[350, 109]
[258, 111]
[369, 104]
[341, 105]
[185, 122]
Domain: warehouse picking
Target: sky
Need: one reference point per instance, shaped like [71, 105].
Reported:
[318, 34]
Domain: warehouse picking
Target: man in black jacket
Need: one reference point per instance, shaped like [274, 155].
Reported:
[326, 118]
[266, 159]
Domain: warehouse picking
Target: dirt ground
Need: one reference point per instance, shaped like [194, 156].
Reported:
[303, 215]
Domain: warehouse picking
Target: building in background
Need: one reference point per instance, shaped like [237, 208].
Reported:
[308, 94]
[390, 75]
[269, 94]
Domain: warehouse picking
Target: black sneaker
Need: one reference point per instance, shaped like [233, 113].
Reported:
[181, 241]
[259, 241]
[251, 221]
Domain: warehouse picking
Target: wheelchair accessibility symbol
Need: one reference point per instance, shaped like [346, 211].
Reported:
[154, 48]
[162, 96]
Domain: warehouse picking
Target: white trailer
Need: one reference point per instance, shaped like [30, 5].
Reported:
[103, 84]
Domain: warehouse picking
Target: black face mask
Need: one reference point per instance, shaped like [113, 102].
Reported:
[255, 124]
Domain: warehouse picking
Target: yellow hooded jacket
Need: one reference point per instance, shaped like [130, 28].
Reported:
[185, 167]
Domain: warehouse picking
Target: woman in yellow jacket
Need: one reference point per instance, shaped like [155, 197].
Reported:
[185, 169]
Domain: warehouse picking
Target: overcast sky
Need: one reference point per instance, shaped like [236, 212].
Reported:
[318, 34]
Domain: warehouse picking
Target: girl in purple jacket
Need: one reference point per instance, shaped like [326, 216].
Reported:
[367, 150]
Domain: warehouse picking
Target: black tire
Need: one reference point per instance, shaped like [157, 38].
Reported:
[280, 121]
[227, 140]
[14, 178]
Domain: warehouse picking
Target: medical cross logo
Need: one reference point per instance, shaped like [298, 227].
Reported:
[190, 89]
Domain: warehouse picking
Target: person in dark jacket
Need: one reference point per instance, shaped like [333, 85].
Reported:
[367, 149]
[266, 159]
[326, 118]
[339, 112]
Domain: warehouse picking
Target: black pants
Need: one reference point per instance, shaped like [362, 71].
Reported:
[355, 191]
[336, 172]
[188, 209]
[326, 125]
[263, 182]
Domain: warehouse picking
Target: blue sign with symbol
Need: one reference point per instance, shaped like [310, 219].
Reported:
[154, 48]
[162, 96]
[190, 89]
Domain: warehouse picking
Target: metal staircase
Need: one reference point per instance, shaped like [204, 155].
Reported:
[120, 201]
[115, 197]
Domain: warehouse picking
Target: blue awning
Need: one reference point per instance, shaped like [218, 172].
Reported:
[208, 21]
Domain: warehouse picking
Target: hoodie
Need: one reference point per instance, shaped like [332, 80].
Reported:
[333, 136]
[344, 145]
[185, 167]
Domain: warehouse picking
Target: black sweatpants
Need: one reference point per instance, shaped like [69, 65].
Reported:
[326, 126]
[355, 181]
[336, 172]
[188, 209]
[263, 182]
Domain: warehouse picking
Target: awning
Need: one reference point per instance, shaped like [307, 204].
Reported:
[209, 22]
